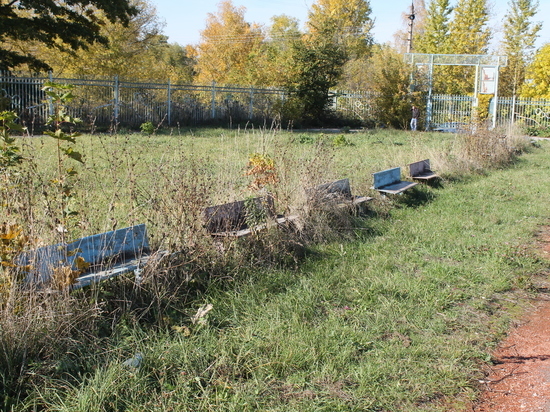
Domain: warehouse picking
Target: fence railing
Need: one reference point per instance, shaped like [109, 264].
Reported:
[109, 102]
[128, 104]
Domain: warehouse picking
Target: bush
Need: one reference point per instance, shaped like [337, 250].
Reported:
[540, 131]
[147, 128]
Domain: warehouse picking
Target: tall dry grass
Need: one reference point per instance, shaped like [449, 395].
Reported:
[127, 180]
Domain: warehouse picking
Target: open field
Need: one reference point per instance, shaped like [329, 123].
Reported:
[397, 311]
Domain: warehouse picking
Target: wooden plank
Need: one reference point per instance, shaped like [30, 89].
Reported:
[279, 221]
[357, 200]
[397, 188]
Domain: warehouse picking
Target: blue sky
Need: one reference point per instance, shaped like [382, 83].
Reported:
[185, 19]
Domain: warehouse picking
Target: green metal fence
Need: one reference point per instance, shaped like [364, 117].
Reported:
[114, 102]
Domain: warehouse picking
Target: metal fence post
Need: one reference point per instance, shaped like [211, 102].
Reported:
[429, 102]
[169, 101]
[213, 103]
[50, 102]
[496, 97]
[117, 97]
[251, 105]
[513, 114]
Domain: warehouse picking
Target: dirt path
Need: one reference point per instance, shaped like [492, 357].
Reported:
[519, 379]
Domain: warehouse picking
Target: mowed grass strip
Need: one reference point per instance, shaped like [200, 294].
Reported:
[400, 319]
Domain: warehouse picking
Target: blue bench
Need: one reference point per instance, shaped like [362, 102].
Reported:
[421, 171]
[338, 191]
[90, 259]
[389, 181]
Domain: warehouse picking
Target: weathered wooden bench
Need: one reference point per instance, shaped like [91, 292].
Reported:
[389, 181]
[338, 191]
[421, 171]
[242, 218]
[93, 258]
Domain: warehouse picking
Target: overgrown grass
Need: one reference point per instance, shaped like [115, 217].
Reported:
[398, 316]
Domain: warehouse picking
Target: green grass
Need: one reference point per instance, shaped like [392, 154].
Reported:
[399, 317]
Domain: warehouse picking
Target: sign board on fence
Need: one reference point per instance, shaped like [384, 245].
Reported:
[488, 80]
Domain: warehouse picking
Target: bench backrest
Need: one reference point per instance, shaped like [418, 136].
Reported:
[104, 249]
[387, 177]
[234, 216]
[418, 168]
[337, 189]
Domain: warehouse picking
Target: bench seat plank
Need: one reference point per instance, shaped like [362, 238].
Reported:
[339, 191]
[421, 170]
[279, 221]
[397, 188]
[230, 219]
[126, 267]
[425, 176]
[389, 181]
[361, 199]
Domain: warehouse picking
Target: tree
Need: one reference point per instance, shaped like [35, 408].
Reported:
[520, 34]
[137, 50]
[349, 23]
[273, 62]
[223, 55]
[389, 76]
[435, 38]
[468, 34]
[70, 25]
[537, 84]
[318, 67]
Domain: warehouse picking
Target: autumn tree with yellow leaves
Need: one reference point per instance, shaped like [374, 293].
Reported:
[537, 84]
[226, 46]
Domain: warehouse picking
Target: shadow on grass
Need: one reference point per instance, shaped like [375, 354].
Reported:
[417, 197]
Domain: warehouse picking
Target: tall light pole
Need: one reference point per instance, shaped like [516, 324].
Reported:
[411, 24]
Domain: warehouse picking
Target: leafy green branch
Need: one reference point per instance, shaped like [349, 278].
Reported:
[59, 120]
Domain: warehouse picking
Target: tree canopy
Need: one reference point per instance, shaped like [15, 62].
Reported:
[67, 25]
[226, 44]
[520, 34]
[537, 84]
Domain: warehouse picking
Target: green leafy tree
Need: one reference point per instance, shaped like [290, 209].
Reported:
[390, 78]
[435, 38]
[318, 67]
[537, 84]
[137, 50]
[520, 33]
[58, 25]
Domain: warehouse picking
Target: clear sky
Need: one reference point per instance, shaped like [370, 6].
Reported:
[185, 19]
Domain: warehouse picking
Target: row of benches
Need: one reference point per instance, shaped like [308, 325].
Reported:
[99, 257]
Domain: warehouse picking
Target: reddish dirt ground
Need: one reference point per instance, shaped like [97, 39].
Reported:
[519, 379]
